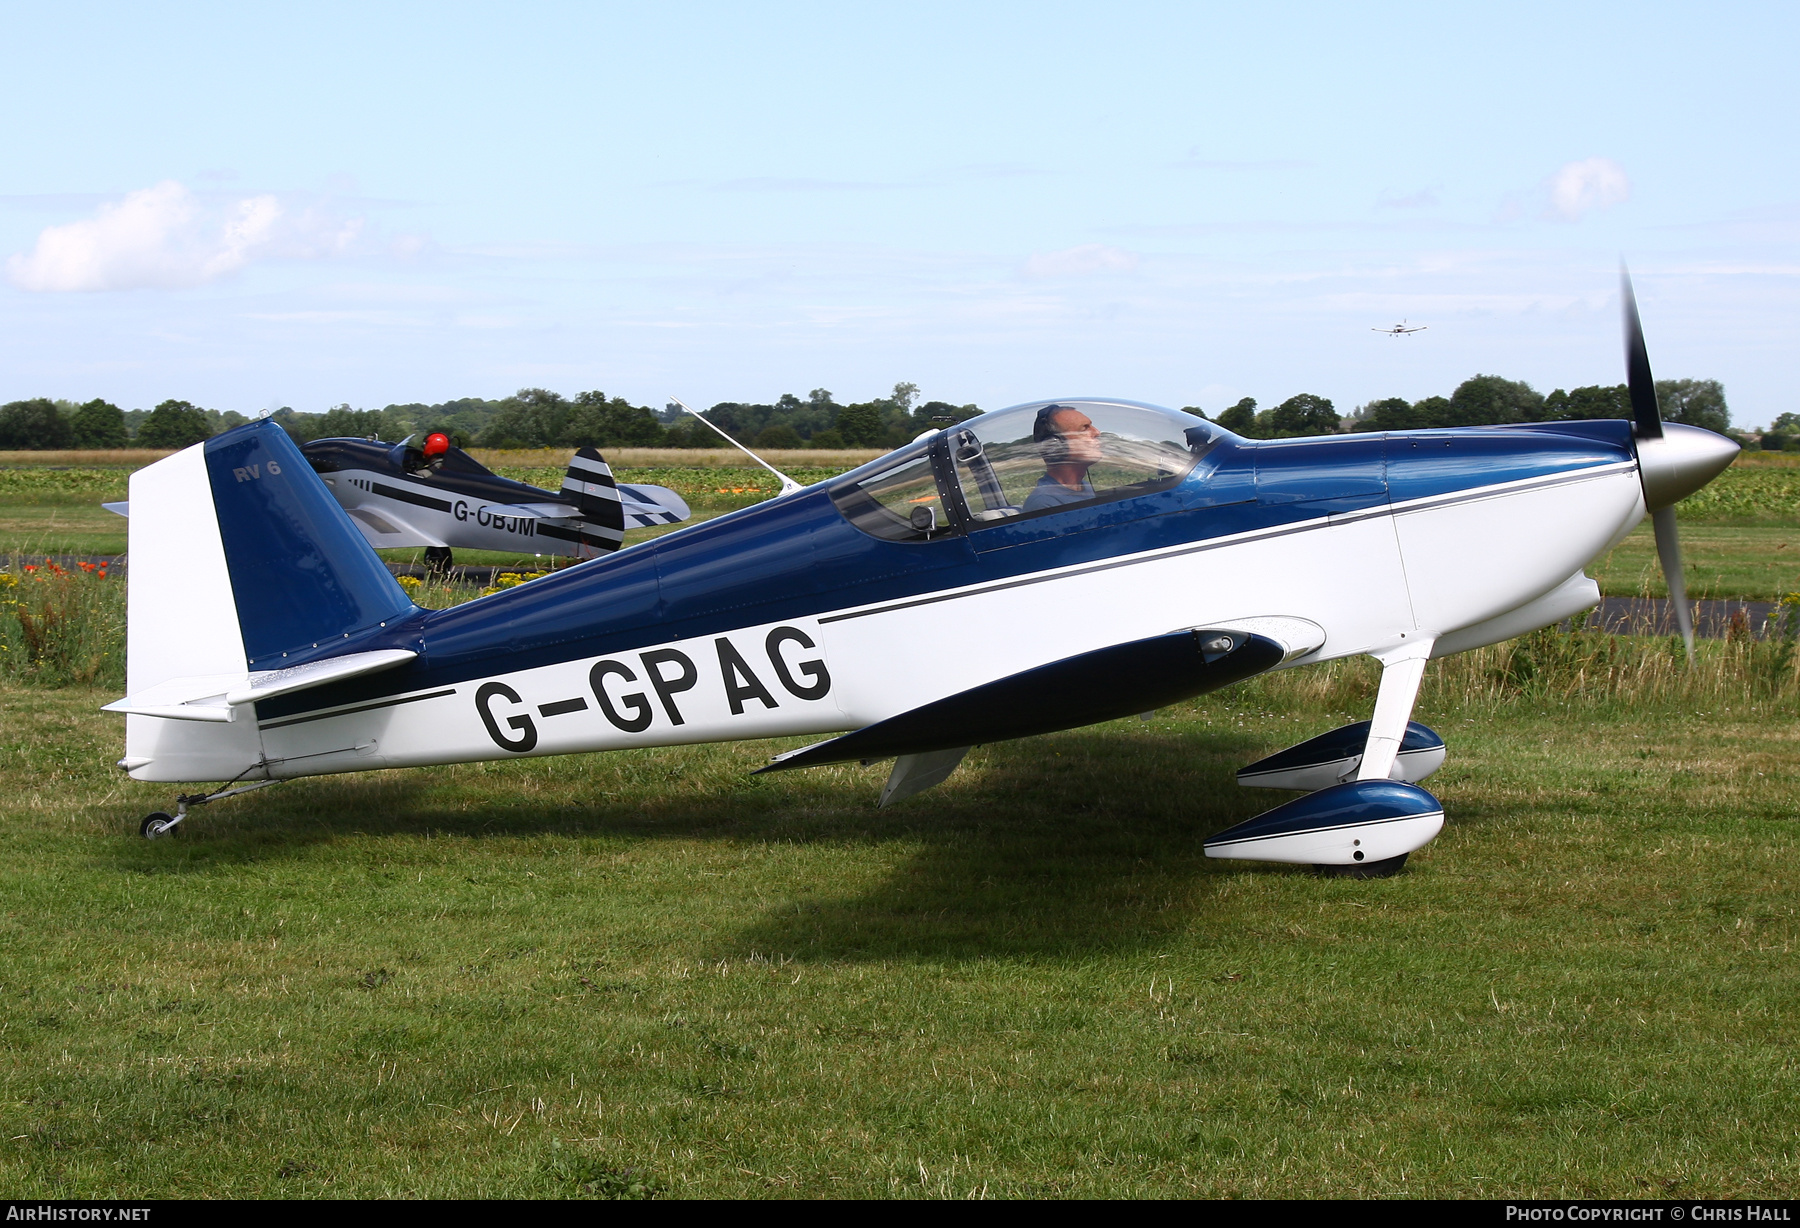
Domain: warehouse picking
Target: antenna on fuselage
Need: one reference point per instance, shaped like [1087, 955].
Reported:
[788, 485]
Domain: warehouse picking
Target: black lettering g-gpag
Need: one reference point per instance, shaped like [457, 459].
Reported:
[815, 670]
[637, 703]
[519, 724]
[668, 688]
[740, 683]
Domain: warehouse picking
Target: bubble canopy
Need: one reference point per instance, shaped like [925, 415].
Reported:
[1029, 460]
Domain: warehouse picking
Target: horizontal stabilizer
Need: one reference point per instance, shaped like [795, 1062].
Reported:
[649, 505]
[122, 508]
[267, 684]
[1330, 758]
[213, 697]
[1103, 685]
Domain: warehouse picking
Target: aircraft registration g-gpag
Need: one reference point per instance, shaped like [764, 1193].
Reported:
[1098, 558]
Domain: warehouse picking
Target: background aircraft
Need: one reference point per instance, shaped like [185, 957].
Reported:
[439, 497]
[1400, 329]
[1094, 559]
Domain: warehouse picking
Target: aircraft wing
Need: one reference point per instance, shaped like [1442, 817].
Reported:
[1102, 685]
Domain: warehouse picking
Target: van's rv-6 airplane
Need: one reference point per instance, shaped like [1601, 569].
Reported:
[1098, 558]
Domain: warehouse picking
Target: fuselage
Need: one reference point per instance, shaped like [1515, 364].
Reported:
[787, 618]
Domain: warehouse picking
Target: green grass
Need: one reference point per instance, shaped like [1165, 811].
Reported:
[1720, 560]
[570, 976]
[652, 973]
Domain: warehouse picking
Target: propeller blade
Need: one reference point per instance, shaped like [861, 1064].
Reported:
[1644, 410]
[1668, 551]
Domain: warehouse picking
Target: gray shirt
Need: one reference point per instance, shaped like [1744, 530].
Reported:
[1050, 493]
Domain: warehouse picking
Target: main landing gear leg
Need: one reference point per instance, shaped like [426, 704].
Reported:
[1400, 678]
[155, 826]
[438, 562]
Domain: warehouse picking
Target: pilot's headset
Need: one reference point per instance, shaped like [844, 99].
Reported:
[1052, 445]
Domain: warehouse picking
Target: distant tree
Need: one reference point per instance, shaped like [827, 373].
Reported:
[594, 421]
[860, 425]
[903, 397]
[1303, 414]
[530, 418]
[1787, 424]
[98, 424]
[1489, 400]
[1433, 412]
[1592, 401]
[819, 396]
[780, 435]
[691, 433]
[827, 438]
[174, 424]
[1392, 414]
[1240, 418]
[1776, 441]
[34, 425]
[342, 422]
[1697, 402]
[302, 428]
[934, 415]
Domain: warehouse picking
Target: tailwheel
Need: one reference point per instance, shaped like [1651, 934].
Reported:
[1387, 867]
[157, 825]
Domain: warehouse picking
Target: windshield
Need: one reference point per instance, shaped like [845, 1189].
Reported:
[1049, 455]
[895, 497]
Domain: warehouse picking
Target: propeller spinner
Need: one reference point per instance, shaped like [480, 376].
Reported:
[1674, 460]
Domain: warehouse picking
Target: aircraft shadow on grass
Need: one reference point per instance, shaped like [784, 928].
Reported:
[1083, 841]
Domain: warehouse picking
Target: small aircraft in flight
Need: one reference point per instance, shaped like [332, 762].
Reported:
[1400, 329]
[1092, 559]
[439, 497]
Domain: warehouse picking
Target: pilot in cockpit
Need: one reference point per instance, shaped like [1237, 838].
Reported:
[1069, 443]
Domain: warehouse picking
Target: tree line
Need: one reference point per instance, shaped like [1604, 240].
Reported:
[530, 418]
[1486, 400]
[540, 418]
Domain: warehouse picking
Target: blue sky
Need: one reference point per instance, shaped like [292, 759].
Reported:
[252, 206]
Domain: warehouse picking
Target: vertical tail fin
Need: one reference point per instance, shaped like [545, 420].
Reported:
[590, 486]
[240, 562]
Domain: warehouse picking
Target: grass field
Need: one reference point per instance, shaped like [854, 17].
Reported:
[650, 973]
[652, 970]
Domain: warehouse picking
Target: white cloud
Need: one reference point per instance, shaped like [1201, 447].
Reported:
[165, 237]
[1592, 183]
[1083, 261]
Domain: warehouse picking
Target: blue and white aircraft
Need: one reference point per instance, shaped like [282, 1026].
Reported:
[1099, 559]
